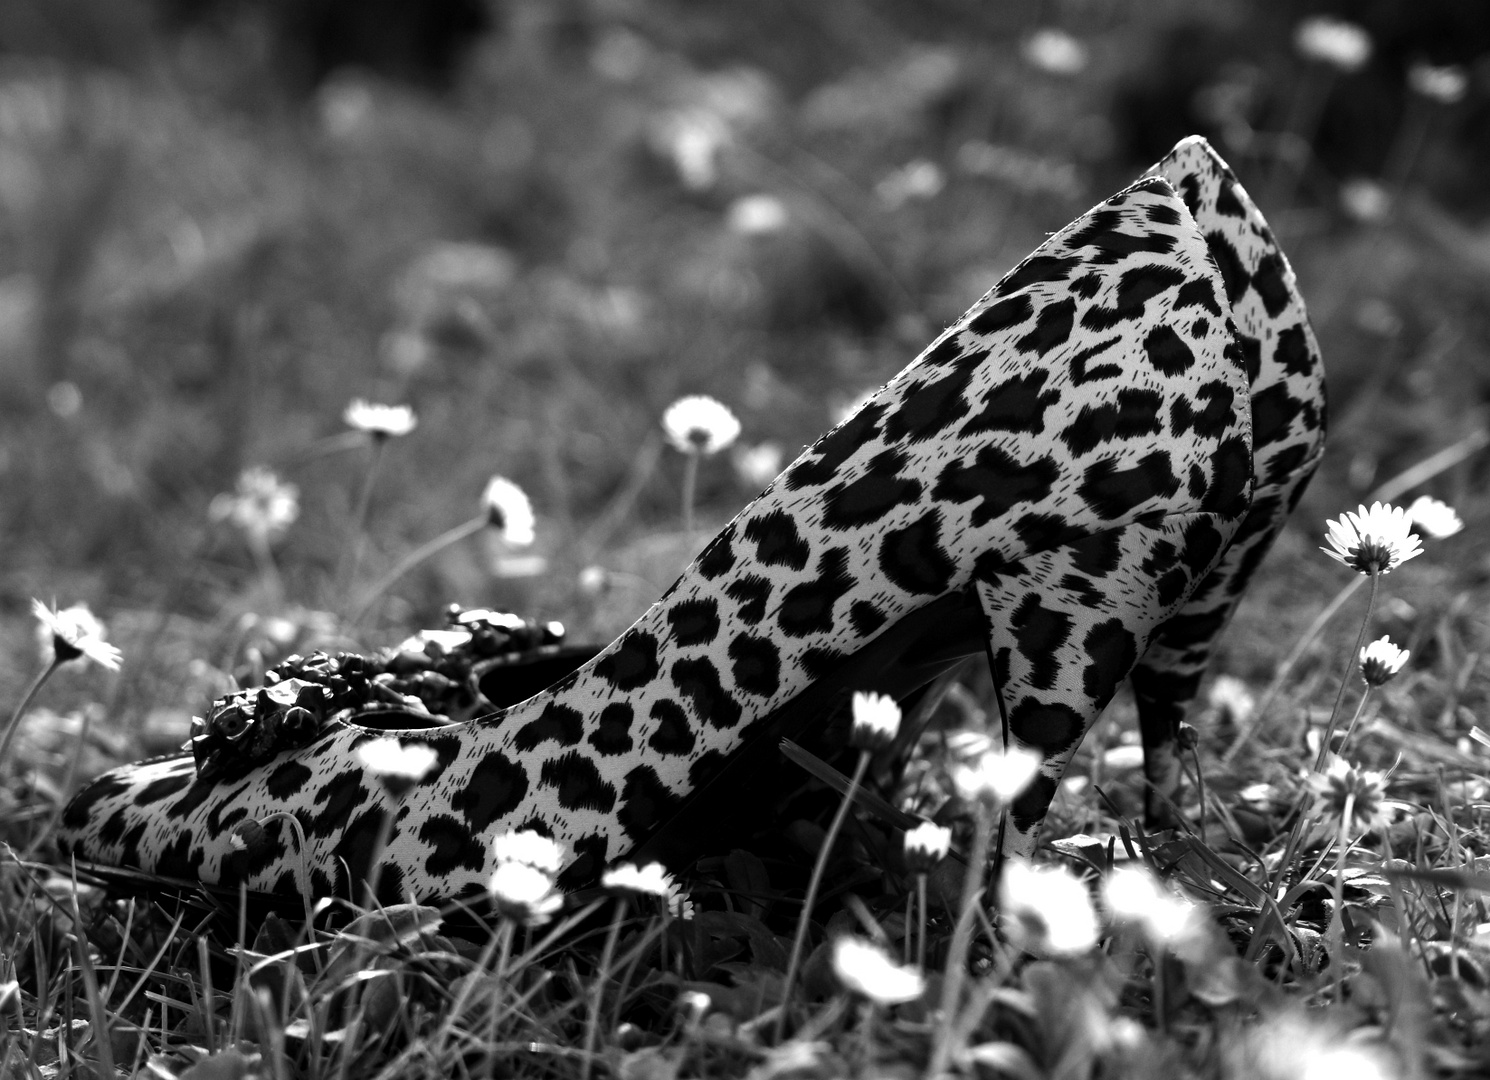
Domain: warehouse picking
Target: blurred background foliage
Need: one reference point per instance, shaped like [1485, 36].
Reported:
[539, 221]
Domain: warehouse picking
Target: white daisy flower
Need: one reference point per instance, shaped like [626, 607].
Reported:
[1374, 541]
[867, 971]
[1433, 518]
[1381, 660]
[926, 845]
[679, 903]
[524, 893]
[876, 720]
[1046, 910]
[530, 848]
[1133, 895]
[72, 633]
[1364, 789]
[397, 764]
[380, 421]
[650, 880]
[997, 775]
[700, 425]
[509, 511]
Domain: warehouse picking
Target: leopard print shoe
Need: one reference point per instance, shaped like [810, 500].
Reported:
[1056, 481]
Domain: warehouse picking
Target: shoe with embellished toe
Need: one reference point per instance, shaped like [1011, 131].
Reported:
[1075, 479]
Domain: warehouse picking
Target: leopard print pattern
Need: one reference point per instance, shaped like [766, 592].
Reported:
[1092, 407]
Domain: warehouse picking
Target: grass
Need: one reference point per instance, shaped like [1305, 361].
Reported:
[194, 287]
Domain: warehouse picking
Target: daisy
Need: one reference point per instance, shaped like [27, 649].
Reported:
[380, 421]
[73, 633]
[1374, 541]
[1433, 518]
[649, 880]
[524, 893]
[398, 765]
[867, 971]
[1133, 895]
[926, 845]
[530, 848]
[679, 903]
[700, 425]
[261, 505]
[1381, 660]
[1046, 910]
[876, 720]
[1364, 790]
[509, 511]
[997, 776]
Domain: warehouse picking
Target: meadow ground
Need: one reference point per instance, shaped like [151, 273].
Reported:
[609, 209]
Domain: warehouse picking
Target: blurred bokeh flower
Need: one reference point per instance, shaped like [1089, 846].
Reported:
[1046, 910]
[866, 970]
[650, 880]
[698, 424]
[530, 848]
[876, 720]
[757, 466]
[262, 506]
[997, 775]
[757, 215]
[1133, 895]
[397, 764]
[1055, 51]
[380, 421]
[1446, 85]
[918, 179]
[509, 511]
[926, 845]
[1365, 200]
[1434, 518]
[1342, 45]
[524, 893]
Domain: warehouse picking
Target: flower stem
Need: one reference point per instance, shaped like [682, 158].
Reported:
[258, 545]
[921, 938]
[1359, 709]
[607, 955]
[1285, 669]
[359, 517]
[690, 483]
[962, 937]
[414, 558]
[375, 863]
[1337, 922]
[15, 717]
[1350, 664]
[813, 885]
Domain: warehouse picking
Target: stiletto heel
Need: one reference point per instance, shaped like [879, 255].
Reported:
[1066, 627]
[1095, 397]
[1287, 391]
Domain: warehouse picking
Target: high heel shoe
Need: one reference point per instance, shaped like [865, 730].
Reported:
[1083, 433]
